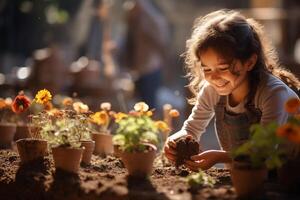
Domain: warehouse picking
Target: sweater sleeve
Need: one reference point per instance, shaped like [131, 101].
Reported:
[271, 100]
[202, 113]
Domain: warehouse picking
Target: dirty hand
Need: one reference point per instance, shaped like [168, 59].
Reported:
[170, 150]
[204, 160]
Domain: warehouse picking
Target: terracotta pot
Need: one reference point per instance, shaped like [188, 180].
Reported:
[7, 133]
[139, 164]
[67, 158]
[289, 175]
[88, 151]
[22, 131]
[247, 181]
[31, 149]
[117, 151]
[103, 143]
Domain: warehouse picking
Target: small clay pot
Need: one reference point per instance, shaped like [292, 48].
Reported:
[248, 181]
[103, 143]
[117, 151]
[31, 149]
[67, 158]
[22, 132]
[139, 164]
[7, 133]
[89, 147]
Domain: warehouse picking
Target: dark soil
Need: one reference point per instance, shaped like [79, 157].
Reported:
[106, 178]
[185, 148]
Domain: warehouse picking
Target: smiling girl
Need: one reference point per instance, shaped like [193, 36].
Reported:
[234, 74]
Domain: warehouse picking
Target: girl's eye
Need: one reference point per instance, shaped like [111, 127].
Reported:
[224, 68]
[206, 70]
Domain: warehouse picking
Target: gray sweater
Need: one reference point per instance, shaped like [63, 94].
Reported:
[270, 97]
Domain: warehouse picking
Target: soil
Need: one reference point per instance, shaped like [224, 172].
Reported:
[185, 148]
[106, 178]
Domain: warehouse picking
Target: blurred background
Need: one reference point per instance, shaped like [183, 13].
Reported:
[121, 51]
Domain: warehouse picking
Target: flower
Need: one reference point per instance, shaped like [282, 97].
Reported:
[80, 107]
[105, 106]
[119, 116]
[174, 113]
[291, 129]
[20, 104]
[100, 118]
[43, 96]
[141, 107]
[292, 106]
[162, 126]
[68, 101]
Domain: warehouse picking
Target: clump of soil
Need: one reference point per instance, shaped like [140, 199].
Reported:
[186, 147]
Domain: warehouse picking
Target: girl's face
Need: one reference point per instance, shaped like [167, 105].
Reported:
[227, 77]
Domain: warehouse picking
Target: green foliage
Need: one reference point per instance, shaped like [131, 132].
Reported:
[262, 148]
[200, 179]
[135, 130]
[68, 129]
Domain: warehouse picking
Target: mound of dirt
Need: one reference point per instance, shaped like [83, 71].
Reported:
[185, 148]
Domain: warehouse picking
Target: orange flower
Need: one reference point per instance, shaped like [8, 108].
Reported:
[55, 113]
[162, 126]
[289, 131]
[174, 113]
[292, 105]
[48, 106]
[68, 101]
[100, 118]
[20, 103]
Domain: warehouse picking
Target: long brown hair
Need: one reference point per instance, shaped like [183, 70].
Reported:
[232, 35]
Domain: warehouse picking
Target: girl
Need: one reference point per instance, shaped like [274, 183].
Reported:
[235, 74]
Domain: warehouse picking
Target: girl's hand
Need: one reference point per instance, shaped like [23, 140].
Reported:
[170, 150]
[206, 160]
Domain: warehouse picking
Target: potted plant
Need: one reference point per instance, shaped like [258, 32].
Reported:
[7, 123]
[87, 143]
[137, 137]
[289, 174]
[100, 123]
[31, 147]
[63, 129]
[252, 160]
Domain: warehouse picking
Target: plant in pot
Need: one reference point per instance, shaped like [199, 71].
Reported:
[100, 123]
[32, 147]
[7, 123]
[289, 174]
[137, 137]
[252, 160]
[64, 130]
[87, 143]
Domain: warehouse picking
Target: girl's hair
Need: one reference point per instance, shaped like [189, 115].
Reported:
[233, 36]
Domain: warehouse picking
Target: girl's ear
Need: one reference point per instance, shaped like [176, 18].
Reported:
[250, 63]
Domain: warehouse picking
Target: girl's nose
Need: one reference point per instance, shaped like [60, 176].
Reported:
[215, 74]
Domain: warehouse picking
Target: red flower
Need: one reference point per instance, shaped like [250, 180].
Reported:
[20, 103]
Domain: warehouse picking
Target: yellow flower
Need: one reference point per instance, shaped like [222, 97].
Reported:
[162, 126]
[141, 107]
[80, 107]
[119, 116]
[68, 101]
[43, 96]
[149, 113]
[105, 106]
[100, 118]
[174, 113]
[292, 105]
